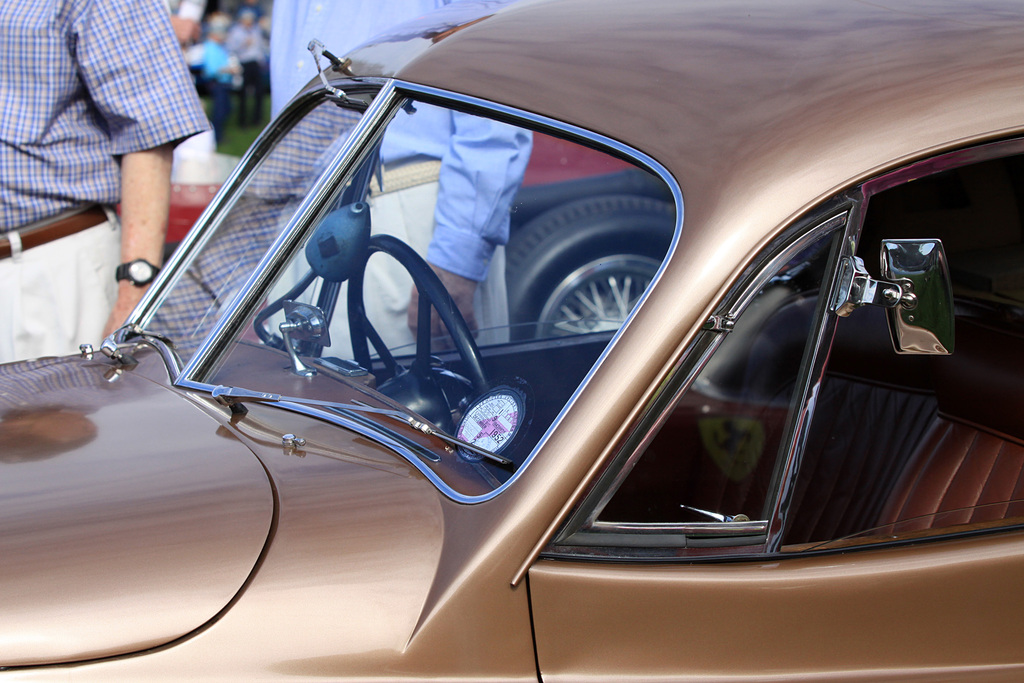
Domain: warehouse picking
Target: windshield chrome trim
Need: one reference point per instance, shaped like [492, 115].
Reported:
[376, 433]
[376, 117]
[719, 529]
[172, 271]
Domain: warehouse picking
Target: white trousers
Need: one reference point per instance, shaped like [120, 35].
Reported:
[58, 295]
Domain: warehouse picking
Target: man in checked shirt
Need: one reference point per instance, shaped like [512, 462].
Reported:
[95, 96]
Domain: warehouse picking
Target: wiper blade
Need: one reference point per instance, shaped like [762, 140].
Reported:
[236, 394]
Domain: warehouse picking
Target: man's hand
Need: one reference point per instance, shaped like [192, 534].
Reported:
[187, 31]
[462, 291]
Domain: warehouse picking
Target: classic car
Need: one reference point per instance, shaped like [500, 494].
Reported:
[786, 443]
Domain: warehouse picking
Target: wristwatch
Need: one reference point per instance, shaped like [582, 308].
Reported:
[139, 272]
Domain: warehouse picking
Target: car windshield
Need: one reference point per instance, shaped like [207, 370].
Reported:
[239, 237]
[463, 273]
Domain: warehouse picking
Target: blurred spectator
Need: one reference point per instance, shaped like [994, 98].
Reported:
[186, 17]
[248, 44]
[253, 6]
[96, 133]
[219, 70]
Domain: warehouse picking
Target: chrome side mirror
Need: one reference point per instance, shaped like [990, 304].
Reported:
[915, 289]
[303, 322]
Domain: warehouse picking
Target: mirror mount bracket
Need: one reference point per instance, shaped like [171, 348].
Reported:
[303, 322]
[857, 288]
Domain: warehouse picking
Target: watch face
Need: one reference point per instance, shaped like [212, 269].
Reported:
[493, 420]
[140, 271]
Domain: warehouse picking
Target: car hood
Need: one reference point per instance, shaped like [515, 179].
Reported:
[127, 518]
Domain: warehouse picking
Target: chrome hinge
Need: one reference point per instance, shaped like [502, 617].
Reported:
[719, 323]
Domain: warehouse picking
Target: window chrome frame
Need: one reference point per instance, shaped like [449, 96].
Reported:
[205, 227]
[584, 535]
[385, 105]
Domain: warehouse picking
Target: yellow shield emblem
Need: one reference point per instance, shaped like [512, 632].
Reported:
[735, 444]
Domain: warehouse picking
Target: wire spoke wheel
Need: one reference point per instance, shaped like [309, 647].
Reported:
[598, 296]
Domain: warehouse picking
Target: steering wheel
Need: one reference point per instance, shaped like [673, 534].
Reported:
[417, 387]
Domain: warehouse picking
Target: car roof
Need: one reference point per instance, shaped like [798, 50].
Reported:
[759, 110]
[783, 102]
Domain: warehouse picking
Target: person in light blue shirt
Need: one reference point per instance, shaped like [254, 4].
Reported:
[218, 73]
[481, 161]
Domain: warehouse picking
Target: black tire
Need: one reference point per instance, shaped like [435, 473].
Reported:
[581, 249]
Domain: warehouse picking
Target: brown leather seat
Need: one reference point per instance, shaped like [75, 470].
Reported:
[960, 475]
[969, 468]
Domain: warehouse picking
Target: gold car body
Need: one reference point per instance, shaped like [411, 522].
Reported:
[338, 560]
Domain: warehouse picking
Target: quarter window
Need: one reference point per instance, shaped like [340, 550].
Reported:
[707, 476]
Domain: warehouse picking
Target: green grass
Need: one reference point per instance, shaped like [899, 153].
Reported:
[237, 139]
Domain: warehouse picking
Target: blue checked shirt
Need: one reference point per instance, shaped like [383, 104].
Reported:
[83, 82]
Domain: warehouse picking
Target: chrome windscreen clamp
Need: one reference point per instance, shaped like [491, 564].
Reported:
[110, 349]
[318, 50]
[719, 323]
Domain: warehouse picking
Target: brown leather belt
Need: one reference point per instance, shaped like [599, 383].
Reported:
[53, 228]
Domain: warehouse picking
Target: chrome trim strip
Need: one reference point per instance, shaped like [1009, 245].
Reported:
[370, 125]
[943, 162]
[380, 436]
[170, 358]
[798, 428]
[690, 528]
[377, 116]
[767, 269]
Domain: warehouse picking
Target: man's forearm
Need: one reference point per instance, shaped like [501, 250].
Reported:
[145, 203]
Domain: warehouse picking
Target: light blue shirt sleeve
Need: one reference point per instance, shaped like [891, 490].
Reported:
[481, 171]
[482, 161]
[482, 166]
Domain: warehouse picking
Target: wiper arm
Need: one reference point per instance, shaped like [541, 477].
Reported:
[236, 394]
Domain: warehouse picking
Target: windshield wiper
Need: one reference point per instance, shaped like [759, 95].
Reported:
[236, 394]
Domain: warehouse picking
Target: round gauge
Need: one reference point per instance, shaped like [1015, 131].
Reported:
[493, 420]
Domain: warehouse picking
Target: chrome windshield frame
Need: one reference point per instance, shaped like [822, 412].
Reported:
[388, 101]
[202, 232]
[315, 202]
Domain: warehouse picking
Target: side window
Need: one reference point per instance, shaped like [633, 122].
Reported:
[908, 446]
[714, 458]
